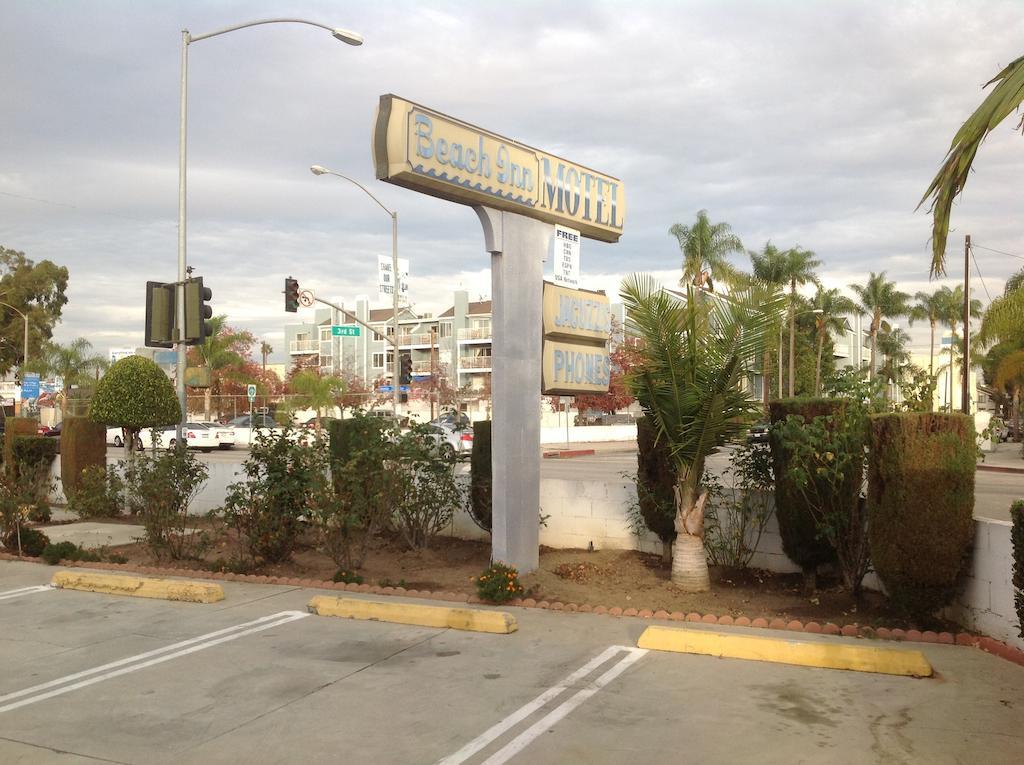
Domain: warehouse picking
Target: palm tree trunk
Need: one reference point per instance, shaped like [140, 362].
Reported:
[207, 398]
[931, 363]
[766, 377]
[871, 370]
[792, 338]
[689, 560]
[817, 365]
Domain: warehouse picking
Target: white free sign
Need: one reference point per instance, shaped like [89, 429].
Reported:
[386, 281]
[566, 257]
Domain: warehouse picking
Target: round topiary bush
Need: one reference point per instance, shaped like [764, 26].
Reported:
[799, 531]
[134, 394]
[920, 505]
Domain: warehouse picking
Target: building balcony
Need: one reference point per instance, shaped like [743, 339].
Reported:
[421, 368]
[304, 346]
[475, 363]
[415, 340]
[475, 335]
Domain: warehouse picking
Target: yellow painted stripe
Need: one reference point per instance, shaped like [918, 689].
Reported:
[827, 654]
[139, 587]
[473, 620]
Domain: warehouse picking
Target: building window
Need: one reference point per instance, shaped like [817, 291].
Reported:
[446, 330]
[481, 323]
[325, 333]
[378, 361]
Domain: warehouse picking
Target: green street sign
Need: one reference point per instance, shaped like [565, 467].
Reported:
[345, 330]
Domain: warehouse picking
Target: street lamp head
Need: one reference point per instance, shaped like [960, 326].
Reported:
[352, 38]
[318, 170]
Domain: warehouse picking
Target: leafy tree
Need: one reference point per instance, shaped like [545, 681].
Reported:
[880, 300]
[706, 247]
[833, 307]
[135, 394]
[1004, 99]
[75, 364]
[35, 289]
[693, 359]
[623, 359]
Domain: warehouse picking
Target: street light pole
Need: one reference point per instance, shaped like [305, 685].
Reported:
[343, 35]
[395, 280]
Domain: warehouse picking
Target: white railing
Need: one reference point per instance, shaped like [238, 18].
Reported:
[475, 362]
[420, 338]
[475, 334]
[304, 346]
[421, 366]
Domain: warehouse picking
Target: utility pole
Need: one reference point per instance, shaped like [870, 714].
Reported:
[965, 390]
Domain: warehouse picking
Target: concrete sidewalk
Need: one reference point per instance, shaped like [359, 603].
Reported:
[1004, 457]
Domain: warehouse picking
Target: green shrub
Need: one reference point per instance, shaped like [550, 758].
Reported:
[54, 553]
[14, 428]
[655, 485]
[281, 477]
[100, 493]
[347, 576]
[429, 492]
[920, 504]
[28, 542]
[347, 436]
[499, 583]
[1017, 535]
[801, 540]
[134, 394]
[83, 444]
[480, 480]
[737, 513]
[33, 458]
[162, 488]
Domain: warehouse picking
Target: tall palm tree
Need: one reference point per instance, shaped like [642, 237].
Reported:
[706, 247]
[75, 364]
[1004, 318]
[768, 267]
[265, 350]
[952, 315]
[1004, 99]
[892, 343]
[798, 270]
[833, 306]
[929, 307]
[880, 300]
[687, 381]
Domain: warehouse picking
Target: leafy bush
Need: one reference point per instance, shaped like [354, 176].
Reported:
[655, 484]
[162, 488]
[347, 576]
[266, 508]
[134, 394]
[54, 553]
[347, 436]
[83, 444]
[480, 480]
[920, 505]
[99, 493]
[34, 456]
[29, 542]
[825, 462]
[801, 541]
[737, 514]
[1017, 535]
[499, 583]
[16, 427]
[428, 491]
[24, 486]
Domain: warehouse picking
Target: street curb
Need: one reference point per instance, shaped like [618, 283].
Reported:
[138, 587]
[803, 653]
[1000, 469]
[562, 454]
[468, 619]
[983, 642]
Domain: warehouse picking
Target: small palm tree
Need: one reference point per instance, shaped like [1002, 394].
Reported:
[74, 364]
[220, 354]
[769, 268]
[706, 247]
[317, 392]
[833, 307]
[693, 359]
[930, 307]
[880, 300]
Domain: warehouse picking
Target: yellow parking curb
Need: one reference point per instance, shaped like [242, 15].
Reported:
[497, 622]
[827, 655]
[139, 587]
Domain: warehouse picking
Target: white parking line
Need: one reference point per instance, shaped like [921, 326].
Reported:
[66, 684]
[495, 731]
[24, 591]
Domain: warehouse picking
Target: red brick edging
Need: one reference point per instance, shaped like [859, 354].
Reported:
[985, 643]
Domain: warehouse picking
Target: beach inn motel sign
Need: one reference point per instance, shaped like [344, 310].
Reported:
[519, 194]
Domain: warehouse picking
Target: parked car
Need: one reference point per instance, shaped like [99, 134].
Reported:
[115, 437]
[51, 431]
[196, 435]
[223, 434]
[246, 428]
[758, 434]
[452, 442]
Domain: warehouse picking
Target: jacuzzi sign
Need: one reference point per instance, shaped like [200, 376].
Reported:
[430, 152]
[577, 325]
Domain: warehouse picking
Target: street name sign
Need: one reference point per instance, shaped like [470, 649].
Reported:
[345, 330]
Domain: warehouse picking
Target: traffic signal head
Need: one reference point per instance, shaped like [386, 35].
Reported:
[197, 328]
[291, 295]
[405, 374]
[159, 315]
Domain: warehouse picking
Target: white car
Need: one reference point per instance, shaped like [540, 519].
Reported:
[247, 429]
[196, 435]
[223, 434]
[115, 437]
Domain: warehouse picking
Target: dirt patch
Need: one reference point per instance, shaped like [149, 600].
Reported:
[623, 578]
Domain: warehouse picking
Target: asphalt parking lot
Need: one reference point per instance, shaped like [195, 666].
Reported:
[255, 678]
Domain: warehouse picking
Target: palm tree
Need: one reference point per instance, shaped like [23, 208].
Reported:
[798, 269]
[769, 268]
[219, 352]
[929, 307]
[892, 342]
[75, 364]
[706, 247]
[1010, 376]
[317, 392]
[1004, 319]
[832, 306]
[952, 312]
[1004, 99]
[687, 381]
[880, 300]
[265, 350]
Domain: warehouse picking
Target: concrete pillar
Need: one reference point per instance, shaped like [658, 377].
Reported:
[518, 248]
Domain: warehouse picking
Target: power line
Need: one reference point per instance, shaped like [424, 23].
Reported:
[71, 207]
[998, 252]
[982, 278]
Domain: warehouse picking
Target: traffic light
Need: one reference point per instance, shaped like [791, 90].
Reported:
[291, 295]
[159, 315]
[405, 364]
[197, 328]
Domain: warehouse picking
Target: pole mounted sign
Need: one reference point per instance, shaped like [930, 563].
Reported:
[428, 151]
[345, 330]
[565, 256]
[577, 325]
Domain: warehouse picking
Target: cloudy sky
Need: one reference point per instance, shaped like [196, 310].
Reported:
[818, 124]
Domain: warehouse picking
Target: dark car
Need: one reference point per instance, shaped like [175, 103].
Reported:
[54, 431]
[758, 434]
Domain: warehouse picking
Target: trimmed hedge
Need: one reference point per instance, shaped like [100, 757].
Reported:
[83, 444]
[15, 427]
[34, 450]
[800, 538]
[1017, 535]
[656, 480]
[920, 505]
[480, 480]
[344, 436]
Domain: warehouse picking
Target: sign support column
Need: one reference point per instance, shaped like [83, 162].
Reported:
[518, 246]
